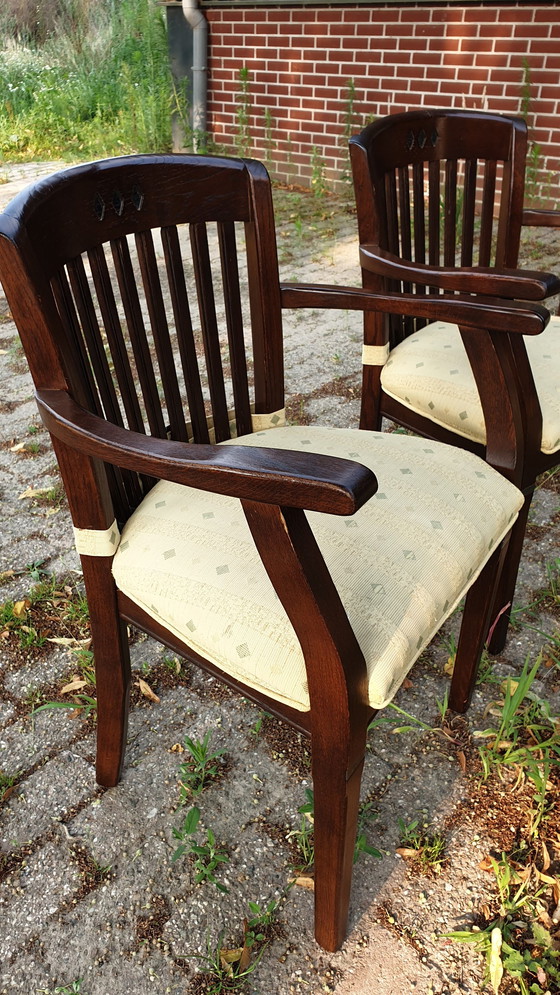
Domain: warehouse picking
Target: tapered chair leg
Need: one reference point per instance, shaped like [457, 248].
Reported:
[112, 669]
[506, 588]
[477, 618]
[337, 800]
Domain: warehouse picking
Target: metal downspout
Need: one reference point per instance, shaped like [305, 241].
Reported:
[199, 25]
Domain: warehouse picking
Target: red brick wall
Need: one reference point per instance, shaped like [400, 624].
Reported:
[300, 59]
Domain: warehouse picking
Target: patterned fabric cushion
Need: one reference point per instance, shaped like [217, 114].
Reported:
[430, 373]
[401, 564]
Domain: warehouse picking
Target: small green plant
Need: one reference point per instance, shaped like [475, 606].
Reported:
[303, 837]
[226, 970]
[199, 768]
[7, 782]
[318, 181]
[72, 988]
[259, 921]
[206, 856]
[526, 739]
[349, 123]
[243, 113]
[426, 846]
[365, 816]
[513, 940]
[257, 728]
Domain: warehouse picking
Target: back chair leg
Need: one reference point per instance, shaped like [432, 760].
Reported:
[477, 618]
[337, 800]
[506, 588]
[112, 669]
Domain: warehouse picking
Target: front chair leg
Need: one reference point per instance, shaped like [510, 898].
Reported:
[337, 800]
[112, 669]
[477, 618]
[508, 579]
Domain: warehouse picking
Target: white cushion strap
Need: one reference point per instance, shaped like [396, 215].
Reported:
[97, 542]
[272, 419]
[375, 355]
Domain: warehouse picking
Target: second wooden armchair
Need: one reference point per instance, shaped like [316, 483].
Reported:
[439, 197]
[306, 567]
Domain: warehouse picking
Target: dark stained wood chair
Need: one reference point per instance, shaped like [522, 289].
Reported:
[306, 567]
[439, 197]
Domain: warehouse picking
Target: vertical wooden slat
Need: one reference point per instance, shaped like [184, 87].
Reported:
[137, 333]
[487, 213]
[450, 213]
[210, 332]
[468, 212]
[160, 333]
[234, 321]
[184, 331]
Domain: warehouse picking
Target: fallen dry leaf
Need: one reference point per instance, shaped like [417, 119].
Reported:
[32, 492]
[406, 851]
[146, 690]
[546, 856]
[304, 881]
[75, 685]
[462, 760]
[449, 667]
[19, 448]
[20, 608]
[486, 864]
[177, 748]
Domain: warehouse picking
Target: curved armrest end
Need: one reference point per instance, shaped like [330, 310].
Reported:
[273, 476]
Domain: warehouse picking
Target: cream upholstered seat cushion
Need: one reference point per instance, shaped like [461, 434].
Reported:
[430, 373]
[400, 564]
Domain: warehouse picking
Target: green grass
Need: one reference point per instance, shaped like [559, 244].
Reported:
[96, 88]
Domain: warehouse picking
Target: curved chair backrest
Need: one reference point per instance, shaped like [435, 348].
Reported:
[142, 270]
[441, 187]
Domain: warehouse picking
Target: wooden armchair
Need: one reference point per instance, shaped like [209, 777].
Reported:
[306, 567]
[439, 199]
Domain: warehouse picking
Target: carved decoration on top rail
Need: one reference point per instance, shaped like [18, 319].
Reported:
[117, 202]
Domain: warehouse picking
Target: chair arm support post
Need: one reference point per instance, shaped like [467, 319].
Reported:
[336, 669]
[300, 480]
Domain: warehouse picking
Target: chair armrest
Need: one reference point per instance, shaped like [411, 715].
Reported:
[533, 217]
[470, 312]
[525, 285]
[292, 479]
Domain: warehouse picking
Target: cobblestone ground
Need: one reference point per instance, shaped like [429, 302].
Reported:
[87, 886]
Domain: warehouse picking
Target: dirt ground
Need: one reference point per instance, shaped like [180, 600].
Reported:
[87, 886]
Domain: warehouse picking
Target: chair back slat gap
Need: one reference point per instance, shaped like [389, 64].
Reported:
[235, 326]
[113, 330]
[161, 335]
[138, 338]
[185, 333]
[450, 213]
[93, 339]
[210, 331]
[487, 213]
[74, 352]
[419, 210]
[468, 212]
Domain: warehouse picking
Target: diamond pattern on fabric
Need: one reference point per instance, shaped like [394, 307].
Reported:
[456, 404]
[420, 572]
